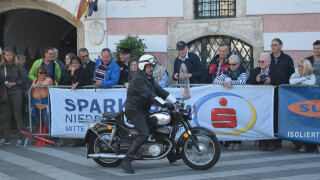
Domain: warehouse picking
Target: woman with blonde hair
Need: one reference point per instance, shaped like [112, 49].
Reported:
[304, 74]
[13, 76]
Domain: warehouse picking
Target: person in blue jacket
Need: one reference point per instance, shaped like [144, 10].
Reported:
[106, 72]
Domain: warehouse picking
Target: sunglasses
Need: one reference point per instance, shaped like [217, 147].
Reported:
[7, 49]
[233, 64]
[300, 66]
[42, 72]
[261, 62]
[275, 45]
[84, 56]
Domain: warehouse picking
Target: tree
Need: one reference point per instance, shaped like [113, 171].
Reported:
[134, 43]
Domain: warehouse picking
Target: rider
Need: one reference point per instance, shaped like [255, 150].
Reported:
[143, 91]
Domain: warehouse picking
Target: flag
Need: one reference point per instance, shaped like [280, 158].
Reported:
[93, 7]
[89, 5]
[82, 8]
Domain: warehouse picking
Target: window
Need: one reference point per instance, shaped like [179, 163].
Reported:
[211, 9]
[207, 48]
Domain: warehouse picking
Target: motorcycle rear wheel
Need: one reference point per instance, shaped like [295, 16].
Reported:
[208, 155]
[97, 145]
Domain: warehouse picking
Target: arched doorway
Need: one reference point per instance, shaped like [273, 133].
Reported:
[207, 48]
[61, 9]
[28, 31]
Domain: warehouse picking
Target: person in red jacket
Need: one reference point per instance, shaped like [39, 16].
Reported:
[218, 64]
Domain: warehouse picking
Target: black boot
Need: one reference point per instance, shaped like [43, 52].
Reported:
[126, 166]
[172, 157]
[263, 145]
[131, 153]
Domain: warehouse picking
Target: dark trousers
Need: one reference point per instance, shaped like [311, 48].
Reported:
[266, 143]
[23, 110]
[14, 100]
[138, 116]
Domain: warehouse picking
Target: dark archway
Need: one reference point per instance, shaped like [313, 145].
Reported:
[28, 31]
[207, 48]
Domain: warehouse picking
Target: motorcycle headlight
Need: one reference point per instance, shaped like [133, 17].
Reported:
[193, 112]
[190, 112]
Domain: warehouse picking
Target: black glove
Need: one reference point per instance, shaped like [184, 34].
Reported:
[169, 106]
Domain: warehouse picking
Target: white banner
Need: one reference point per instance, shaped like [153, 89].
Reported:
[239, 113]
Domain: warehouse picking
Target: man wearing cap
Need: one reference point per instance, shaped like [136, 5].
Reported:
[124, 59]
[192, 62]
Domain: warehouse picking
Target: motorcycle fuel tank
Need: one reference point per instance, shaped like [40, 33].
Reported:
[162, 118]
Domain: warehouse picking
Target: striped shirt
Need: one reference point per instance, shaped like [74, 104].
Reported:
[100, 72]
[240, 80]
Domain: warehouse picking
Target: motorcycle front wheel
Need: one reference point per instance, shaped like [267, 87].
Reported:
[208, 155]
[97, 144]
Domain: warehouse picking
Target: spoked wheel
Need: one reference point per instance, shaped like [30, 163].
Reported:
[208, 155]
[99, 145]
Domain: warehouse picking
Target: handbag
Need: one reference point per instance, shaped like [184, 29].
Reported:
[3, 89]
[3, 93]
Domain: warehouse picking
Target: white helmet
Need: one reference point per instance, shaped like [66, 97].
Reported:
[146, 59]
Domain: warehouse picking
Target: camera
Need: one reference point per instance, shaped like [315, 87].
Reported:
[263, 77]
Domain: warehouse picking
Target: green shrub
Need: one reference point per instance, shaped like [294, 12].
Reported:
[134, 43]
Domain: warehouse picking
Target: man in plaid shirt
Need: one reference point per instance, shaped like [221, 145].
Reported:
[218, 64]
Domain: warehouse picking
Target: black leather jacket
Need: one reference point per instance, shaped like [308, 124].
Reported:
[142, 91]
[275, 74]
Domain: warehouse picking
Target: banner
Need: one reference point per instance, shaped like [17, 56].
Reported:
[299, 113]
[238, 113]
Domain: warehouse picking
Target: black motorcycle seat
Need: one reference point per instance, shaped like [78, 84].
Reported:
[110, 115]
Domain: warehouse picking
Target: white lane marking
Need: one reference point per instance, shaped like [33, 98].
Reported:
[4, 176]
[242, 153]
[298, 177]
[266, 159]
[82, 160]
[244, 171]
[39, 167]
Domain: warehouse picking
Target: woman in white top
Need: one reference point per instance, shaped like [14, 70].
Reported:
[304, 74]
[234, 75]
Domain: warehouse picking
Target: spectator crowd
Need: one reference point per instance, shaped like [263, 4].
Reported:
[224, 69]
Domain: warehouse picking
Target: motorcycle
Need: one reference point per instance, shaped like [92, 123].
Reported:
[109, 139]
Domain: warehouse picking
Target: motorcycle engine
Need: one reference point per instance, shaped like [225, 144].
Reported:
[152, 149]
[155, 150]
[160, 134]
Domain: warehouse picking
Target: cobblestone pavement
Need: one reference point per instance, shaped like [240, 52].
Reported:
[69, 162]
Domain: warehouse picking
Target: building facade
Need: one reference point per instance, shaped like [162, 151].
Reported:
[247, 26]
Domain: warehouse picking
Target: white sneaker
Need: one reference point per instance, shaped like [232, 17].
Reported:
[3, 141]
[231, 146]
[236, 146]
[19, 143]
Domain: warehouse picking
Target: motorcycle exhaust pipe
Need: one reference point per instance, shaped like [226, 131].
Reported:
[106, 156]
